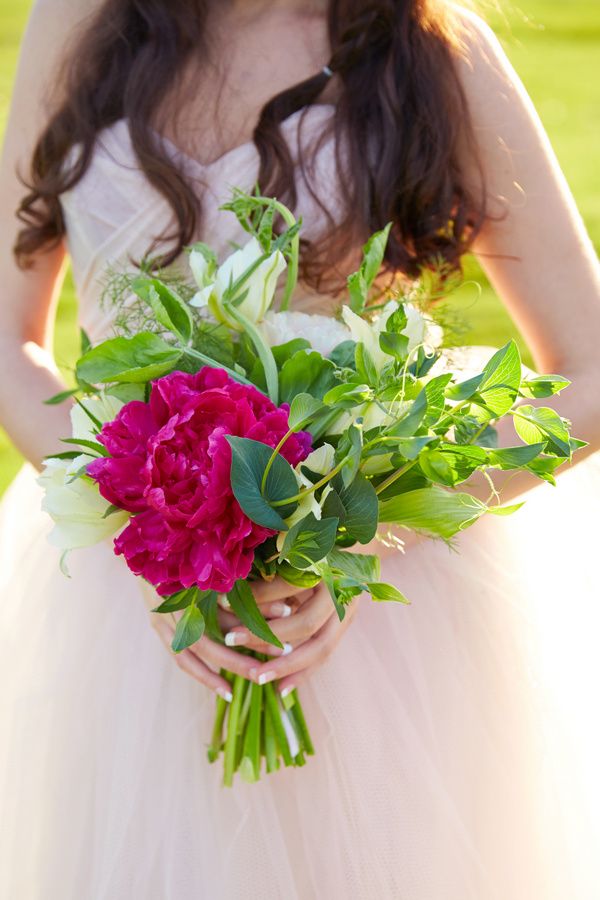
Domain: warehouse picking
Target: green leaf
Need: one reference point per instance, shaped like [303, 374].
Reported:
[543, 386]
[85, 343]
[381, 591]
[501, 380]
[365, 366]
[303, 408]
[210, 610]
[359, 503]
[358, 292]
[168, 307]
[178, 601]
[435, 392]
[409, 448]
[465, 389]
[299, 578]
[96, 448]
[111, 510]
[140, 358]
[248, 463]
[544, 468]
[60, 398]
[412, 419]
[309, 541]
[505, 510]
[283, 352]
[395, 345]
[190, 629]
[347, 396]
[515, 457]
[245, 607]
[127, 392]
[363, 567]
[306, 373]
[432, 511]
[540, 424]
[350, 450]
[452, 464]
[344, 355]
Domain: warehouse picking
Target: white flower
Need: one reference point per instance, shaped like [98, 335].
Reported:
[259, 287]
[75, 503]
[323, 333]
[368, 332]
[75, 506]
[320, 462]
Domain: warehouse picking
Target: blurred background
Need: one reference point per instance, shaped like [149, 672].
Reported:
[555, 47]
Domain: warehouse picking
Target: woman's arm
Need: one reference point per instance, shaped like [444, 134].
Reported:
[28, 298]
[534, 248]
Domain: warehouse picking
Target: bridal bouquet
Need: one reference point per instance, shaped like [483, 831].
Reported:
[224, 443]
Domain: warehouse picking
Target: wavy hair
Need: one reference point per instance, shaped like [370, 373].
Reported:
[400, 116]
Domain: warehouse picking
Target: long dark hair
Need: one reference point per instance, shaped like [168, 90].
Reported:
[400, 114]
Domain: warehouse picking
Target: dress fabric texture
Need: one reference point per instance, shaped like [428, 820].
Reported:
[457, 739]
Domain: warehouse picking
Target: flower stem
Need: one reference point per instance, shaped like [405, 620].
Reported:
[265, 354]
[232, 730]
[274, 711]
[272, 458]
[394, 477]
[217, 735]
[302, 731]
[315, 487]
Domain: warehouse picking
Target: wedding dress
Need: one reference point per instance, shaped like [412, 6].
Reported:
[457, 739]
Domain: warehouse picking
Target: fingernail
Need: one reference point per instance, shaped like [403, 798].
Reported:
[266, 677]
[281, 610]
[226, 695]
[287, 649]
[223, 601]
[235, 638]
[287, 691]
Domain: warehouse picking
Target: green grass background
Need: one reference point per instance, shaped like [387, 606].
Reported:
[555, 47]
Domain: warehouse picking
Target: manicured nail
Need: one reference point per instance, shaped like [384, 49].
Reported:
[266, 677]
[226, 695]
[287, 691]
[223, 601]
[235, 638]
[281, 610]
[287, 649]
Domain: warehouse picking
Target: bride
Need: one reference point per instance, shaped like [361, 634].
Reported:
[456, 739]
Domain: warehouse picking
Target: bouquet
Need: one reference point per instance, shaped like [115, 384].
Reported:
[220, 442]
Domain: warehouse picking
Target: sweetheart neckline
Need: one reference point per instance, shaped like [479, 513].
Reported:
[207, 166]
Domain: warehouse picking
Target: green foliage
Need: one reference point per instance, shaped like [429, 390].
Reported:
[137, 359]
[249, 459]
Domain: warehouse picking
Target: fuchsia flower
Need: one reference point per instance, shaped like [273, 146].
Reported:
[170, 466]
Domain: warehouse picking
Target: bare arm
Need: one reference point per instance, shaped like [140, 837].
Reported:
[28, 298]
[535, 248]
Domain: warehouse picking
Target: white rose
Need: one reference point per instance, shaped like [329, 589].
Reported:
[323, 333]
[259, 287]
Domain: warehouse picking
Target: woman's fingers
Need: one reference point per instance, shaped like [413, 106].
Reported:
[307, 657]
[189, 663]
[296, 629]
[278, 593]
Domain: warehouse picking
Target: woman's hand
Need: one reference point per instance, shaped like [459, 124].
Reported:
[305, 621]
[309, 634]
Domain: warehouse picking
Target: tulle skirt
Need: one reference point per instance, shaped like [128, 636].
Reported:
[457, 739]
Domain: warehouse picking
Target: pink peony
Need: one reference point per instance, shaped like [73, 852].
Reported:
[170, 466]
